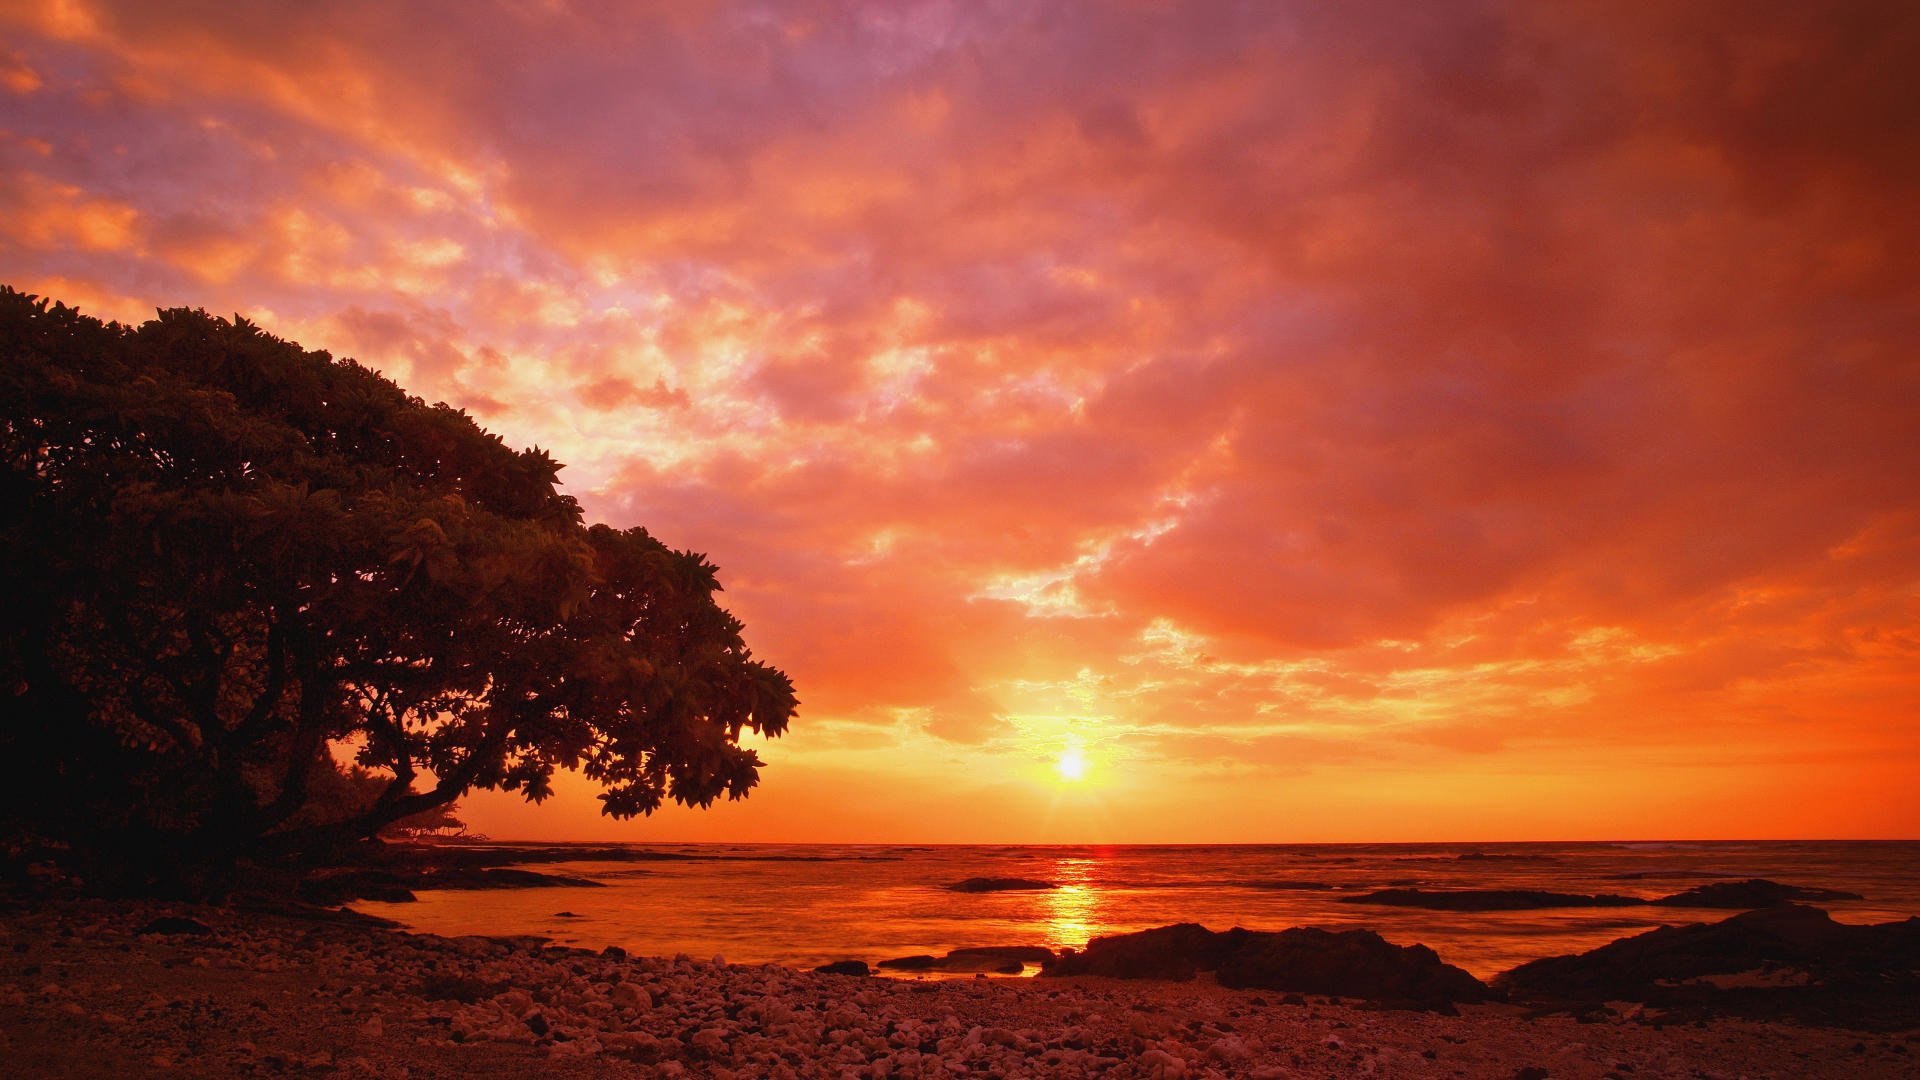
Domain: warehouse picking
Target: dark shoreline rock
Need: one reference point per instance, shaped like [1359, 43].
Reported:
[1787, 961]
[999, 884]
[916, 962]
[1307, 960]
[983, 959]
[398, 886]
[845, 967]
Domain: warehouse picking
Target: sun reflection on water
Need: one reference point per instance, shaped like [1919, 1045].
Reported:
[1076, 910]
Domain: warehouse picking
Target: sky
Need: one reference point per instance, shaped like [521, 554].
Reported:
[1304, 422]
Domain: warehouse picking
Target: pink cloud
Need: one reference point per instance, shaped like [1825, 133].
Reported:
[1325, 390]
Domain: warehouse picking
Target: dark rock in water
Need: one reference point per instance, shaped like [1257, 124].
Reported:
[175, 925]
[1785, 961]
[498, 878]
[1482, 856]
[1749, 894]
[1037, 954]
[1651, 875]
[613, 952]
[1488, 899]
[1351, 963]
[999, 884]
[567, 915]
[845, 967]
[998, 959]
[921, 962]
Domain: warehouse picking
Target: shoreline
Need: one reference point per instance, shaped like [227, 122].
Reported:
[232, 991]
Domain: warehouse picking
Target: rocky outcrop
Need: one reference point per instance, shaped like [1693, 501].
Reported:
[999, 884]
[1749, 894]
[1783, 961]
[1349, 963]
[399, 885]
[1488, 899]
[994, 959]
[1168, 952]
[844, 967]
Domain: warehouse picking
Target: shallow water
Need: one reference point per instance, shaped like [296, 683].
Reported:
[803, 905]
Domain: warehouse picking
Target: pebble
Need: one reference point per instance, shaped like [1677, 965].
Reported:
[682, 1017]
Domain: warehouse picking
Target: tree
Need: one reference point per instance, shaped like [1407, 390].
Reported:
[223, 556]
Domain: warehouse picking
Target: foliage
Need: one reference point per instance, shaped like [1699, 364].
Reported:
[223, 555]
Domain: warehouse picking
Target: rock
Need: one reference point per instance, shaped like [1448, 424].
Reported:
[1488, 899]
[1168, 952]
[1352, 963]
[462, 988]
[340, 888]
[498, 878]
[174, 925]
[1036, 954]
[1802, 964]
[567, 915]
[613, 952]
[1749, 894]
[999, 884]
[1530, 1072]
[920, 962]
[631, 996]
[845, 967]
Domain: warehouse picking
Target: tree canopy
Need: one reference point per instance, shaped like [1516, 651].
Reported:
[224, 556]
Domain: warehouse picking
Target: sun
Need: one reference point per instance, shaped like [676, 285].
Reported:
[1072, 764]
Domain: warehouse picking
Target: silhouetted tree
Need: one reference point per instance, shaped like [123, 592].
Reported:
[221, 556]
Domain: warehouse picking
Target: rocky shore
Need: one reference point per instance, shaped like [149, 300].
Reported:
[96, 988]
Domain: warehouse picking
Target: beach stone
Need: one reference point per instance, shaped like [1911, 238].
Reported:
[844, 967]
[174, 925]
[919, 962]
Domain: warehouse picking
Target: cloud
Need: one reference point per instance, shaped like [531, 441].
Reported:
[1332, 393]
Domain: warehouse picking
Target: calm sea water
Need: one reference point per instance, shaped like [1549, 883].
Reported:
[803, 905]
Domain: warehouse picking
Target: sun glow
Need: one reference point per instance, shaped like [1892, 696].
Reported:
[1072, 764]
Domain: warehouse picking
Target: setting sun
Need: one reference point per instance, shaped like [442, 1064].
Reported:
[1072, 764]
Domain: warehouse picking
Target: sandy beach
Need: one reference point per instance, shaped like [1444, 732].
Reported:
[99, 988]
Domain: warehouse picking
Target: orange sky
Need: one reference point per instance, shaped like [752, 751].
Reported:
[1331, 422]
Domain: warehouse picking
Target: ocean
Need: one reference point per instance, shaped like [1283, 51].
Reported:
[804, 905]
